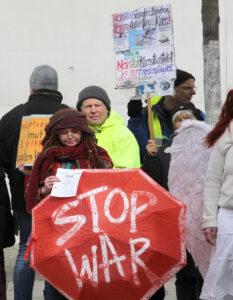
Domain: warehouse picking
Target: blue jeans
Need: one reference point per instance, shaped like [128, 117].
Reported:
[23, 275]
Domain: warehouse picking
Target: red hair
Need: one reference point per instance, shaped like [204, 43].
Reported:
[225, 118]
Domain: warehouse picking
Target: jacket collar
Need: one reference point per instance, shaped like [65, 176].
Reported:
[46, 94]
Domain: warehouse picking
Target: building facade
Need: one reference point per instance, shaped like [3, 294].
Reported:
[75, 37]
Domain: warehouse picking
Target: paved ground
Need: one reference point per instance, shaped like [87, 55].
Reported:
[10, 255]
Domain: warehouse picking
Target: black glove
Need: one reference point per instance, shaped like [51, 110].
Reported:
[134, 108]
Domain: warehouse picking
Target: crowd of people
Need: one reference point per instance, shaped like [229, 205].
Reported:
[186, 157]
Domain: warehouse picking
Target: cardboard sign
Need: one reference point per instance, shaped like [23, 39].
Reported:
[144, 48]
[31, 134]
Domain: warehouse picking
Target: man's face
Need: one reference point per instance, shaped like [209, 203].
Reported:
[95, 111]
[186, 90]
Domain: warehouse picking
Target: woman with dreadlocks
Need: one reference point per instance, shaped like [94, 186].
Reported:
[70, 144]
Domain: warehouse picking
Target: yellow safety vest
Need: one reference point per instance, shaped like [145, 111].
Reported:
[156, 123]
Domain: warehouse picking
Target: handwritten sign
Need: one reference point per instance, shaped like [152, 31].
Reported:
[144, 48]
[119, 228]
[31, 134]
[107, 248]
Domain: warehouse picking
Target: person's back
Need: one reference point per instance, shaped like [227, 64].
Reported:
[109, 128]
[41, 102]
[44, 99]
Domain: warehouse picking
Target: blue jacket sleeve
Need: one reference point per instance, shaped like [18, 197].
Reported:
[138, 126]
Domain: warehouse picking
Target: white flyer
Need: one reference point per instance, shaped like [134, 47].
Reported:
[67, 186]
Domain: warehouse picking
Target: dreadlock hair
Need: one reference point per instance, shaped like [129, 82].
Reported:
[224, 119]
[93, 155]
[53, 140]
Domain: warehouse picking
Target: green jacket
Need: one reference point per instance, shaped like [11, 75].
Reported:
[118, 141]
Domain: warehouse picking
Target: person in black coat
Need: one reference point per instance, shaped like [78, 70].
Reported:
[156, 164]
[7, 238]
[184, 89]
[44, 99]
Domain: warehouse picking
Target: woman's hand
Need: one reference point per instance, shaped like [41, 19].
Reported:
[151, 147]
[48, 184]
[210, 235]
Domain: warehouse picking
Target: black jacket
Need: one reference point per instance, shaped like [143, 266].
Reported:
[7, 238]
[138, 122]
[139, 125]
[157, 166]
[41, 102]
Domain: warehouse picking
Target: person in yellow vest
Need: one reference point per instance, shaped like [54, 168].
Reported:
[109, 128]
[161, 107]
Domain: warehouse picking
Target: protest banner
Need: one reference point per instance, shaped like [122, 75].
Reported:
[121, 230]
[31, 134]
[144, 48]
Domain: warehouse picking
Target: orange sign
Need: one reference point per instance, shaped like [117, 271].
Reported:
[31, 134]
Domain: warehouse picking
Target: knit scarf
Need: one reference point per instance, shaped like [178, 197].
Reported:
[48, 158]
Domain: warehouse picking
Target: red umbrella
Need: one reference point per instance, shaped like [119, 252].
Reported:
[120, 237]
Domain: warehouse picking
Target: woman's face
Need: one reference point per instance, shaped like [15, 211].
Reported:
[70, 137]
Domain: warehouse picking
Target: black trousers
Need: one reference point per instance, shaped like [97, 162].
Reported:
[51, 293]
[188, 281]
[159, 295]
[2, 276]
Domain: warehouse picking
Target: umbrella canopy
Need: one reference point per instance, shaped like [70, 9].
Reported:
[120, 237]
